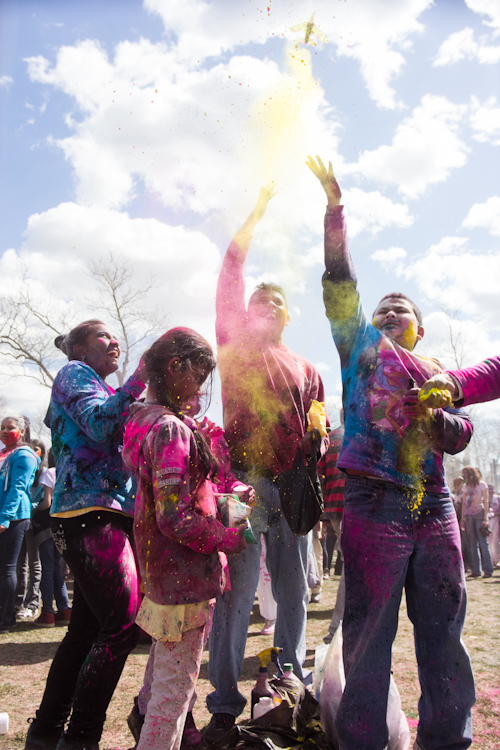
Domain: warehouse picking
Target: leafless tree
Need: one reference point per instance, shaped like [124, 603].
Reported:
[456, 345]
[28, 326]
[124, 302]
[30, 322]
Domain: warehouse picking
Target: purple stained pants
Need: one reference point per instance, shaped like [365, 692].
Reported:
[387, 547]
[102, 630]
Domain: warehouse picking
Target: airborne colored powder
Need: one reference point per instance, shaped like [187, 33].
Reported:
[282, 117]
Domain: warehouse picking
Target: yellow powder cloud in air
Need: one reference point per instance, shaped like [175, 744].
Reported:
[279, 119]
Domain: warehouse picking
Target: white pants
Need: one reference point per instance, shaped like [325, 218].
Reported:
[267, 604]
[175, 666]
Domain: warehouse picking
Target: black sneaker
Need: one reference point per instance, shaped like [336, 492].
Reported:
[41, 738]
[220, 724]
[76, 743]
[135, 720]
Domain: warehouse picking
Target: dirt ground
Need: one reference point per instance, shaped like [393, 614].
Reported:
[25, 657]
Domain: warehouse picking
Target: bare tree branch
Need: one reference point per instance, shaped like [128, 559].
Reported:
[123, 301]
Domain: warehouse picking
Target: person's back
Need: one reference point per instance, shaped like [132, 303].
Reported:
[400, 529]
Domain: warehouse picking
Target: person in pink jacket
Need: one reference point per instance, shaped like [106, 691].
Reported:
[472, 385]
[179, 538]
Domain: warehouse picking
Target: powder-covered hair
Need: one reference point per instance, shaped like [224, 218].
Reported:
[472, 475]
[400, 295]
[197, 359]
[265, 286]
[76, 337]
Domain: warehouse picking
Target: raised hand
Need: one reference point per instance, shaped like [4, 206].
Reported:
[267, 192]
[327, 179]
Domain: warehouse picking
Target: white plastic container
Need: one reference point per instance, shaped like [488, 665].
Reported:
[264, 705]
[4, 723]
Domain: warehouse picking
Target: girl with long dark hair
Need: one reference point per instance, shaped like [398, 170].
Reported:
[178, 535]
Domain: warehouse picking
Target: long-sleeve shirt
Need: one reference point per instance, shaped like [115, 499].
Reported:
[16, 477]
[332, 479]
[86, 420]
[375, 374]
[177, 533]
[267, 390]
[479, 383]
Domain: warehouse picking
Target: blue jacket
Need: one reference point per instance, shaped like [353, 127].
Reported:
[86, 419]
[16, 477]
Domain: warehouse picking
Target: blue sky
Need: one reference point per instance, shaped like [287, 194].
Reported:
[147, 128]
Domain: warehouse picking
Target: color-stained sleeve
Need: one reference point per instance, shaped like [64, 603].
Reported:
[22, 467]
[230, 296]
[479, 383]
[171, 449]
[340, 294]
[451, 430]
[96, 411]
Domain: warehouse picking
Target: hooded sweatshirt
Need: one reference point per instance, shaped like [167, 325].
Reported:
[16, 477]
[177, 534]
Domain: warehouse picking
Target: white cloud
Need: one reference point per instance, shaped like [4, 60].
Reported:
[388, 257]
[485, 215]
[5, 82]
[462, 44]
[485, 120]
[322, 367]
[372, 212]
[425, 147]
[451, 275]
[489, 8]
[372, 32]
[59, 241]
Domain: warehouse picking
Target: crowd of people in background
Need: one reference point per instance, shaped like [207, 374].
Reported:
[128, 502]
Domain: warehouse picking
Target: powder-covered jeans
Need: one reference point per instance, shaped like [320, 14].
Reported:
[52, 584]
[388, 547]
[102, 631]
[479, 547]
[286, 561]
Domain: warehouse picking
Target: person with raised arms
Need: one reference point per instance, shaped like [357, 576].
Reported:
[267, 391]
[400, 530]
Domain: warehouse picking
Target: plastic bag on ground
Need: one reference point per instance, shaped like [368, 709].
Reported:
[332, 687]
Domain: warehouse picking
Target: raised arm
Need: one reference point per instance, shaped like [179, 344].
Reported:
[340, 295]
[230, 297]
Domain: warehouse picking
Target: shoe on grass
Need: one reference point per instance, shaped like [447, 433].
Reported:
[27, 613]
[42, 738]
[315, 598]
[220, 724]
[63, 617]
[45, 620]
[135, 720]
[268, 628]
[76, 743]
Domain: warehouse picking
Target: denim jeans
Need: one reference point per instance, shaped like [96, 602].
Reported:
[286, 562]
[388, 546]
[28, 589]
[10, 544]
[102, 631]
[478, 544]
[52, 583]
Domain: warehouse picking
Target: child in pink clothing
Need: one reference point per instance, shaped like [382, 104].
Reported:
[178, 535]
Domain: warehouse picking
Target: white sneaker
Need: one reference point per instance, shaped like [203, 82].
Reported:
[268, 628]
[26, 613]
